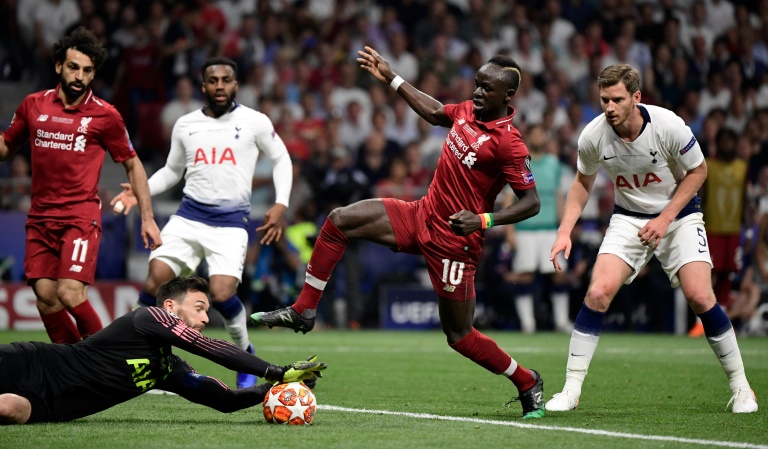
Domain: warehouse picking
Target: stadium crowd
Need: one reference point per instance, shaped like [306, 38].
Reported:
[350, 138]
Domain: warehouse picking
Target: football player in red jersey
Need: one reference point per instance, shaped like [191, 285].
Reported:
[69, 131]
[482, 153]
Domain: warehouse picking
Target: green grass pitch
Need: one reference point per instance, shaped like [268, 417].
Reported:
[643, 391]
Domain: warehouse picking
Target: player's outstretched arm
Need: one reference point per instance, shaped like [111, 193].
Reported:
[427, 107]
[211, 392]
[574, 205]
[150, 233]
[5, 151]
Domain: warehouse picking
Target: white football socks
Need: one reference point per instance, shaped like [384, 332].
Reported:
[580, 353]
[237, 327]
[727, 352]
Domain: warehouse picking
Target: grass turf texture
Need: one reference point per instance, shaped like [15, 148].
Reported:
[653, 385]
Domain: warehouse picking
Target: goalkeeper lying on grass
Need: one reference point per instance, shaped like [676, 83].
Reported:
[44, 382]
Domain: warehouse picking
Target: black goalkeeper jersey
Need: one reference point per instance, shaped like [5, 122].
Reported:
[122, 361]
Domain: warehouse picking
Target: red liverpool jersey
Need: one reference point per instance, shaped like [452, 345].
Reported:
[477, 160]
[68, 147]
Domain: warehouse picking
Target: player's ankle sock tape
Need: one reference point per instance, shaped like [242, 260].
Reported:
[715, 322]
[147, 300]
[229, 308]
[589, 321]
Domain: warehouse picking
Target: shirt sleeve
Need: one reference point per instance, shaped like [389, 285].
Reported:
[210, 391]
[270, 143]
[162, 326]
[18, 132]
[588, 161]
[681, 142]
[452, 111]
[515, 163]
[170, 174]
[114, 137]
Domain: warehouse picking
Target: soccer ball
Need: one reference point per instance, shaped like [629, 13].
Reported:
[290, 403]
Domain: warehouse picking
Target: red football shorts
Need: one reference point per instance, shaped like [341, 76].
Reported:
[62, 250]
[451, 272]
[722, 248]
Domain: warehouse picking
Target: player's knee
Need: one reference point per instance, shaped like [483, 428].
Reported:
[337, 218]
[599, 297]
[14, 409]
[69, 295]
[701, 299]
[221, 293]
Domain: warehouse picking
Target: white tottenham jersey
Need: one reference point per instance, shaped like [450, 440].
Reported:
[219, 156]
[647, 171]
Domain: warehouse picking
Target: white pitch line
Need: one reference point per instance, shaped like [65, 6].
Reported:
[605, 433]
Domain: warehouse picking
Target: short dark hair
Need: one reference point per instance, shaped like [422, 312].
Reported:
[83, 41]
[511, 69]
[178, 287]
[218, 60]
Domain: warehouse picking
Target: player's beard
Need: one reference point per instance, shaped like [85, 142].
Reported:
[67, 88]
[220, 109]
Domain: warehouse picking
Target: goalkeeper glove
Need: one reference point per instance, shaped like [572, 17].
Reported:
[303, 370]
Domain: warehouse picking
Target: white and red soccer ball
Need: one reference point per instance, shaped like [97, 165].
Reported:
[290, 403]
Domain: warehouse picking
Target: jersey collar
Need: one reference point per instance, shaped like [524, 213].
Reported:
[55, 98]
[504, 121]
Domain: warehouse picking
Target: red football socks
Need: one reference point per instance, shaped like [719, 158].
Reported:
[329, 248]
[523, 379]
[60, 327]
[483, 351]
[88, 321]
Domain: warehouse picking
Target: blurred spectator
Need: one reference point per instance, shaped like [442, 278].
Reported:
[17, 188]
[403, 62]
[574, 62]
[724, 211]
[720, 15]
[532, 239]
[398, 184]
[183, 103]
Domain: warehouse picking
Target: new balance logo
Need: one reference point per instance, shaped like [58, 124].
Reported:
[76, 268]
[461, 121]
[449, 288]
[42, 118]
[537, 396]
[286, 317]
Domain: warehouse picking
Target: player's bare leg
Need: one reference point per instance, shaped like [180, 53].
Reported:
[228, 304]
[456, 320]
[159, 272]
[55, 316]
[695, 281]
[364, 220]
[73, 294]
[608, 275]
[14, 409]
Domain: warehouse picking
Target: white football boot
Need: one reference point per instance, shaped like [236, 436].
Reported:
[562, 402]
[744, 401]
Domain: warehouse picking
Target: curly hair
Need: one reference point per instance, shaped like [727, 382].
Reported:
[178, 287]
[83, 41]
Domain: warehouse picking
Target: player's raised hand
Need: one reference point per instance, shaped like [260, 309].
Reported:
[372, 61]
[653, 231]
[465, 222]
[562, 243]
[273, 224]
[126, 198]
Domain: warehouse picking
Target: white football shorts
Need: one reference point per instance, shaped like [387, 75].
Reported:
[533, 251]
[685, 242]
[187, 242]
